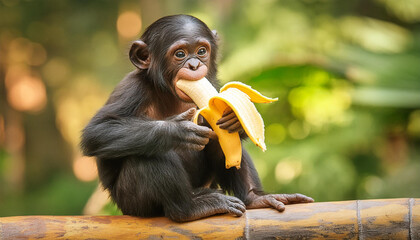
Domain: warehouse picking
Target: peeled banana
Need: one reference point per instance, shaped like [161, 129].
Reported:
[238, 97]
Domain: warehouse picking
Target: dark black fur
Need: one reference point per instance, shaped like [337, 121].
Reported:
[142, 161]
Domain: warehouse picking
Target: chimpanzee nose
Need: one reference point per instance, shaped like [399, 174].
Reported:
[193, 64]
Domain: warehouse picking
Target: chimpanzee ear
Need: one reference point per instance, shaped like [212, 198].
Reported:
[139, 55]
[215, 35]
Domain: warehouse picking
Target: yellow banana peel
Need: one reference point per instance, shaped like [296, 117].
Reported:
[239, 98]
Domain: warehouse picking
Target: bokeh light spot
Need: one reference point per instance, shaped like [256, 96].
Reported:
[38, 55]
[22, 50]
[56, 71]
[275, 133]
[299, 129]
[27, 94]
[84, 168]
[373, 185]
[288, 169]
[414, 124]
[129, 24]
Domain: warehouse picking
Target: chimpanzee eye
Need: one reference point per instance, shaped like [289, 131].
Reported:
[180, 54]
[202, 51]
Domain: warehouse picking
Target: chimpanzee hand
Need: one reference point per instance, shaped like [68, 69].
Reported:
[190, 135]
[231, 205]
[277, 201]
[229, 121]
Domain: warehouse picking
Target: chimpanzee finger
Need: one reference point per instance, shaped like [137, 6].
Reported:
[235, 127]
[200, 120]
[227, 111]
[227, 124]
[304, 199]
[213, 135]
[293, 198]
[186, 116]
[235, 206]
[226, 117]
[270, 200]
[238, 204]
[196, 134]
[235, 211]
[201, 131]
[238, 129]
[191, 146]
[194, 139]
[279, 206]
[228, 114]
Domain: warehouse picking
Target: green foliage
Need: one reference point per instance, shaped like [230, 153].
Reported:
[63, 195]
[111, 209]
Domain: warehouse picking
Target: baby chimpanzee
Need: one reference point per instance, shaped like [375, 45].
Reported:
[153, 160]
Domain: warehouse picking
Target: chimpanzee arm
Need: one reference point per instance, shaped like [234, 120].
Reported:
[108, 136]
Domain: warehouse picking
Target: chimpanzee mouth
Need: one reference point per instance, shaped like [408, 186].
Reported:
[183, 96]
[190, 75]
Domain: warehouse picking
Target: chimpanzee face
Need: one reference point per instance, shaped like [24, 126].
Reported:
[191, 54]
[190, 58]
[176, 48]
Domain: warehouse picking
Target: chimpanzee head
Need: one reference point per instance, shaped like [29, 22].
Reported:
[176, 47]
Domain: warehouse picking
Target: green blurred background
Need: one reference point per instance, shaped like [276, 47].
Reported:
[347, 75]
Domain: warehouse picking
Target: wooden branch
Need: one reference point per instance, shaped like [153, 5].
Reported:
[365, 219]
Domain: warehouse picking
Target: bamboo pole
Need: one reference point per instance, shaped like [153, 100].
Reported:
[362, 219]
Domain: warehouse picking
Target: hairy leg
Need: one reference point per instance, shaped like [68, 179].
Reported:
[211, 203]
[160, 186]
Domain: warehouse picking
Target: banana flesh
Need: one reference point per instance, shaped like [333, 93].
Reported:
[255, 96]
[239, 98]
